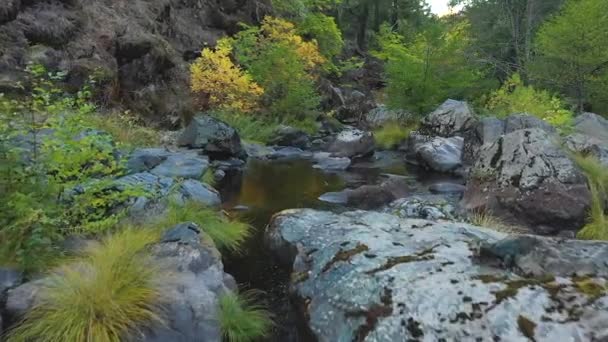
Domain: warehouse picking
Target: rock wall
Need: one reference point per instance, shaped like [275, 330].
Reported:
[138, 49]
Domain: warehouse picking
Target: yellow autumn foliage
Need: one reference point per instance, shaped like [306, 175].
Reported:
[221, 83]
[276, 30]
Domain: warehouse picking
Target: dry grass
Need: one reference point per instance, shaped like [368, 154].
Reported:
[103, 296]
[485, 219]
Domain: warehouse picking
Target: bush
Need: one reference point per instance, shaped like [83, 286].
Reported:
[225, 233]
[392, 134]
[515, 97]
[104, 295]
[283, 63]
[324, 30]
[597, 178]
[242, 320]
[220, 83]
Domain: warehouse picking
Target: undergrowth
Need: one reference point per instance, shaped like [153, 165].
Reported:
[126, 129]
[104, 295]
[226, 233]
[597, 179]
[241, 319]
[392, 134]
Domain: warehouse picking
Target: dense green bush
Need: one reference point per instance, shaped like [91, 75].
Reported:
[324, 30]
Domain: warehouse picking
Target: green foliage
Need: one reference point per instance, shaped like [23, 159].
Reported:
[104, 295]
[324, 30]
[226, 233]
[597, 178]
[515, 97]
[126, 129]
[282, 63]
[392, 134]
[241, 319]
[573, 52]
[422, 73]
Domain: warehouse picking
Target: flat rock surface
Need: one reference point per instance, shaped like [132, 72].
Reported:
[367, 276]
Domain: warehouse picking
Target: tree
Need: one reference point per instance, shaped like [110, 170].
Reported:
[220, 83]
[428, 70]
[573, 52]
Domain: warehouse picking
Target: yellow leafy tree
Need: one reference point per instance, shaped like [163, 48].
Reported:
[220, 83]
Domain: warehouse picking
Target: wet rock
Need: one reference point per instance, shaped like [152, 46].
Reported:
[485, 131]
[290, 136]
[369, 196]
[215, 137]
[450, 119]
[439, 154]
[516, 122]
[231, 164]
[336, 197]
[219, 175]
[429, 207]
[366, 276]
[447, 188]
[193, 190]
[381, 115]
[257, 151]
[527, 178]
[353, 143]
[290, 153]
[324, 161]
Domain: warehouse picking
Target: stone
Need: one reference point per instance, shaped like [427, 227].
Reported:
[213, 136]
[324, 161]
[440, 154]
[450, 119]
[290, 136]
[289, 153]
[516, 122]
[352, 143]
[382, 115]
[592, 125]
[447, 188]
[193, 190]
[485, 131]
[196, 279]
[257, 151]
[368, 276]
[9, 278]
[527, 178]
[588, 145]
[369, 196]
[429, 207]
[356, 105]
[182, 165]
[145, 159]
[22, 298]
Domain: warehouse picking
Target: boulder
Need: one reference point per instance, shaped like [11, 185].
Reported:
[213, 136]
[450, 119]
[381, 115]
[9, 10]
[290, 153]
[356, 105]
[369, 196]
[367, 276]
[195, 281]
[325, 161]
[527, 178]
[429, 207]
[290, 136]
[145, 159]
[592, 125]
[9, 278]
[516, 122]
[588, 145]
[485, 131]
[182, 165]
[352, 143]
[447, 188]
[438, 153]
[22, 298]
[257, 151]
[193, 190]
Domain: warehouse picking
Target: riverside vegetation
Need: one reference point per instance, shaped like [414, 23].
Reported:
[311, 65]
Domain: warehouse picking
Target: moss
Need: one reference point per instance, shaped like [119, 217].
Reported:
[513, 286]
[394, 133]
[394, 261]
[298, 277]
[589, 287]
[526, 327]
[345, 255]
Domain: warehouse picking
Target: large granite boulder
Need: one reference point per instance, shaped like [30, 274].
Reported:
[527, 178]
[485, 131]
[216, 138]
[450, 119]
[353, 143]
[162, 162]
[382, 115]
[515, 122]
[366, 276]
[437, 153]
[428, 207]
[590, 136]
[592, 125]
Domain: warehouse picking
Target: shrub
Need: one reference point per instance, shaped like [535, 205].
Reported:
[220, 83]
[324, 30]
[242, 320]
[597, 178]
[515, 97]
[225, 233]
[394, 133]
[104, 295]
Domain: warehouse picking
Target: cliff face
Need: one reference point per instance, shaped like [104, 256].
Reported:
[139, 49]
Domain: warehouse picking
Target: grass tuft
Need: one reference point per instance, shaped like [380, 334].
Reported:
[241, 319]
[485, 219]
[226, 233]
[597, 178]
[104, 295]
[126, 129]
[392, 134]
